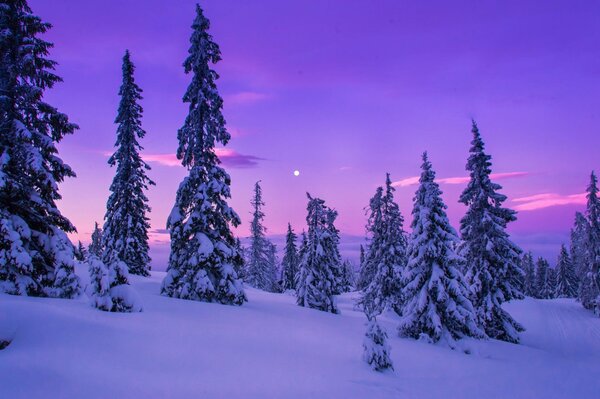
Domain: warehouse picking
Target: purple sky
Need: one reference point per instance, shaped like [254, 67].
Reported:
[344, 92]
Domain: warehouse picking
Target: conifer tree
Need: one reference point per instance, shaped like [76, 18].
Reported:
[201, 263]
[239, 262]
[125, 232]
[552, 282]
[302, 250]
[376, 350]
[566, 278]
[289, 263]
[492, 267]
[362, 256]
[348, 277]
[387, 253]
[260, 273]
[579, 248]
[315, 277]
[590, 285]
[529, 280]
[436, 306]
[36, 257]
[374, 226]
[95, 248]
[331, 246]
[542, 285]
[80, 252]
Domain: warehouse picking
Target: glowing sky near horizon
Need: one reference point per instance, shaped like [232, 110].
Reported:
[343, 92]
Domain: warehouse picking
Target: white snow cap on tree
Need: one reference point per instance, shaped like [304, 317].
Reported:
[435, 298]
[204, 254]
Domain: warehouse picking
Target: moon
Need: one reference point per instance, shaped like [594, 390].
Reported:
[296, 172]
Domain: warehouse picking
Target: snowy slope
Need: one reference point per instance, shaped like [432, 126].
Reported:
[271, 348]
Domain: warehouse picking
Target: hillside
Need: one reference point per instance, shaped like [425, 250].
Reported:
[271, 348]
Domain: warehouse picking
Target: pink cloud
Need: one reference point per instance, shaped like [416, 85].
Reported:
[245, 97]
[228, 157]
[410, 181]
[546, 200]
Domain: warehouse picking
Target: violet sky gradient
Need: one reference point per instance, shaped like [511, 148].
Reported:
[343, 91]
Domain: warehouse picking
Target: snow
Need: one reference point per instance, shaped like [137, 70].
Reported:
[272, 348]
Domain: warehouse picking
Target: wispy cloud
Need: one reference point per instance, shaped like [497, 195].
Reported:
[546, 200]
[411, 181]
[229, 157]
[245, 97]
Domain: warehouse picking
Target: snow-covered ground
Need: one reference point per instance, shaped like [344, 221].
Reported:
[271, 348]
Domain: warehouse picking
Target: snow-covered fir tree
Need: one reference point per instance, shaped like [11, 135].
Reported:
[436, 304]
[331, 245]
[95, 248]
[201, 263]
[348, 276]
[109, 288]
[579, 248]
[302, 250]
[36, 257]
[542, 286]
[552, 282]
[290, 261]
[528, 266]
[125, 231]
[492, 268]
[260, 270]
[387, 253]
[376, 350]
[273, 261]
[374, 222]
[80, 252]
[566, 278]
[590, 284]
[315, 277]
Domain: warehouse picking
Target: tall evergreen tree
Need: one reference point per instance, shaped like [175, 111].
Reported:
[36, 257]
[95, 248]
[201, 263]
[126, 224]
[260, 270]
[493, 269]
[590, 285]
[566, 278]
[374, 231]
[579, 248]
[529, 280]
[331, 245]
[315, 277]
[80, 252]
[542, 286]
[348, 276]
[387, 252]
[552, 278]
[302, 251]
[289, 263]
[435, 297]
[273, 262]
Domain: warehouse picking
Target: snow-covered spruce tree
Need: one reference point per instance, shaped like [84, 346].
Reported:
[579, 247]
[260, 270]
[80, 252]
[387, 253]
[348, 276]
[95, 248]
[331, 246]
[492, 268]
[590, 284]
[109, 288]
[289, 263]
[302, 250]
[552, 282]
[436, 306]
[315, 276]
[376, 350]
[542, 287]
[374, 226]
[566, 278]
[125, 232]
[202, 260]
[273, 262]
[36, 257]
[528, 266]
